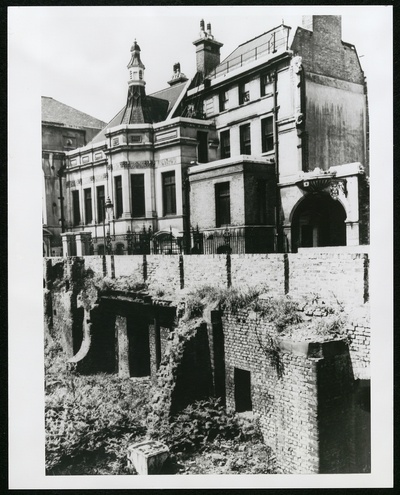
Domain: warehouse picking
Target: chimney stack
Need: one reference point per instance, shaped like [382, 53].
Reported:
[207, 51]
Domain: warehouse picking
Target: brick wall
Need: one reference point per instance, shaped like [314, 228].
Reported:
[302, 392]
[254, 269]
[341, 276]
[163, 272]
[334, 276]
[200, 270]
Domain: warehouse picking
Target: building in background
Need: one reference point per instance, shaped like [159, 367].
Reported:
[266, 151]
[63, 128]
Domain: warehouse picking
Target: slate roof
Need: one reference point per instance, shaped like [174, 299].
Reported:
[159, 104]
[55, 112]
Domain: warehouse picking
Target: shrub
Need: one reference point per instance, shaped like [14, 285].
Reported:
[281, 311]
[203, 422]
[92, 415]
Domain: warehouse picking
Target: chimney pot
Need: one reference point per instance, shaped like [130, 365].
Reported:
[202, 25]
[209, 28]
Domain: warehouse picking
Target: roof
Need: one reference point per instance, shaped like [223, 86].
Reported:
[55, 112]
[157, 106]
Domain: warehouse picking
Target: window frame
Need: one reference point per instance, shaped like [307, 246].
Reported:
[138, 196]
[76, 213]
[264, 84]
[101, 202]
[168, 193]
[244, 93]
[267, 138]
[223, 137]
[223, 100]
[119, 206]
[244, 143]
[222, 203]
[88, 203]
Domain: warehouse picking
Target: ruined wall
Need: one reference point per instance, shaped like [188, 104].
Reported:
[304, 393]
[259, 269]
[208, 269]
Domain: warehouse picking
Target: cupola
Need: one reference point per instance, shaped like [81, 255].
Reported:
[136, 67]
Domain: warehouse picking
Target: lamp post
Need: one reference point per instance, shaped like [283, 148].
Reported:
[107, 207]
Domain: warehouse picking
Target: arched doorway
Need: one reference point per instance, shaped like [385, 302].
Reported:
[318, 221]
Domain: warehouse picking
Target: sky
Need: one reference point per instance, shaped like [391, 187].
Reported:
[78, 55]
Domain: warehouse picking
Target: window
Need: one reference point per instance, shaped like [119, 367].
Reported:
[88, 205]
[169, 193]
[244, 93]
[223, 101]
[222, 204]
[75, 208]
[100, 204]
[266, 84]
[202, 147]
[267, 134]
[225, 142]
[242, 381]
[245, 143]
[118, 196]
[138, 200]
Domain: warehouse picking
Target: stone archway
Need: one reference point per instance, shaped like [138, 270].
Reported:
[318, 221]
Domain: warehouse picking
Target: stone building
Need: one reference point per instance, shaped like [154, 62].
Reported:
[266, 151]
[63, 128]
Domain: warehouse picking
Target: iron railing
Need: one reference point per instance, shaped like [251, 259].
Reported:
[278, 41]
[234, 240]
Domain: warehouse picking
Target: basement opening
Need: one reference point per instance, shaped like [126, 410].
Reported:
[242, 381]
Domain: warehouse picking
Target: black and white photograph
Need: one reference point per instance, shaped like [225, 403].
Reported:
[200, 270]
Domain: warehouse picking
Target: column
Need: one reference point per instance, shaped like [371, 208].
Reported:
[68, 241]
[352, 234]
[121, 330]
[82, 240]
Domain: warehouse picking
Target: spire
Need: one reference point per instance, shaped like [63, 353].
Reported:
[136, 109]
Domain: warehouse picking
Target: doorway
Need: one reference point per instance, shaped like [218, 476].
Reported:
[318, 221]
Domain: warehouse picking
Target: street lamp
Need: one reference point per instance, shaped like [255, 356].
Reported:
[107, 209]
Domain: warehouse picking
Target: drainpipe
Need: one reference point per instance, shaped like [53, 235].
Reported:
[278, 233]
[60, 175]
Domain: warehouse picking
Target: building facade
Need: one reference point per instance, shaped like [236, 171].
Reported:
[63, 128]
[266, 151]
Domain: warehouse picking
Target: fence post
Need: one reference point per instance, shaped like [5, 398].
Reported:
[286, 272]
[181, 272]
[228, 269]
